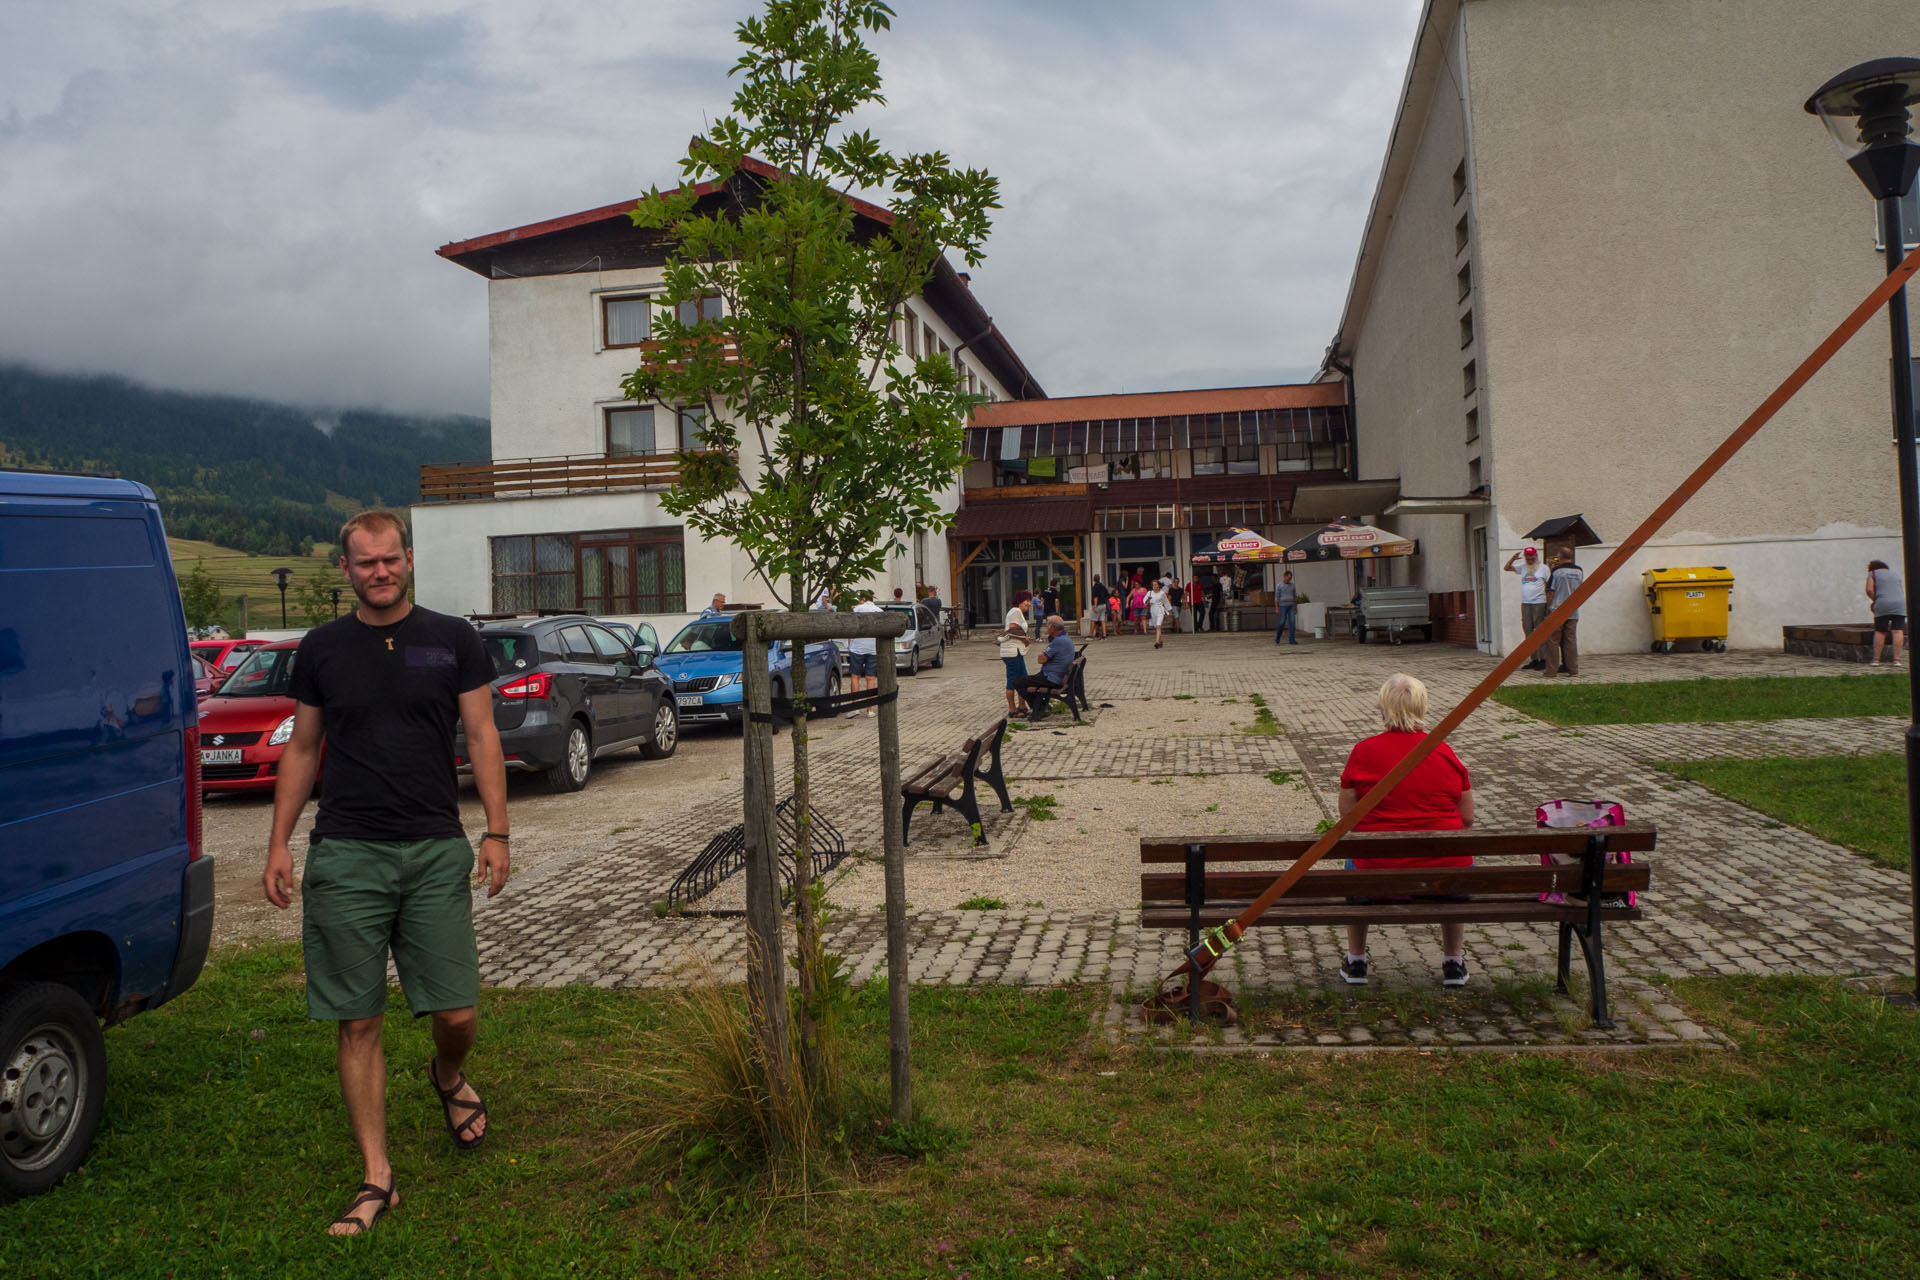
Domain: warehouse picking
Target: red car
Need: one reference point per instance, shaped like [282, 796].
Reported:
[245, 725]
[224, 654]
[206, 677]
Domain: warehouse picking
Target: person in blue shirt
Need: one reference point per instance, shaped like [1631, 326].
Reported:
[1040, 687]
[718, 608]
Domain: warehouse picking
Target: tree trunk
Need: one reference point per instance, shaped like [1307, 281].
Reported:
[766, 949]
[899, 1051]
[808, 942]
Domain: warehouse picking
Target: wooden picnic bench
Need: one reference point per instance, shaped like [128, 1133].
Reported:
[1505, 885]
[937, 780]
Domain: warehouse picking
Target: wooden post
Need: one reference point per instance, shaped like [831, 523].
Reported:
[766, 947]
[899, 1049]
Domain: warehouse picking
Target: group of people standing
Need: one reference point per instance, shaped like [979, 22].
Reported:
[1015, 636]
[1142, 605]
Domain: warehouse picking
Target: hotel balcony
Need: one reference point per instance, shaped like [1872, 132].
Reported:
[546, 477]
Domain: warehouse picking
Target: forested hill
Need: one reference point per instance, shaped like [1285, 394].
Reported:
[247, 474]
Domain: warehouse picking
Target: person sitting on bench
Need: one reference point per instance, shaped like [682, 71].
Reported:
[1039, 689]
[1436, 796]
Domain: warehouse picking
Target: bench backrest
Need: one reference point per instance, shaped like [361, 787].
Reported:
[985, 737]
[1522, 872]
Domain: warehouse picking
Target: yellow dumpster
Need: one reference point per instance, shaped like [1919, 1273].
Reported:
[1689, 604]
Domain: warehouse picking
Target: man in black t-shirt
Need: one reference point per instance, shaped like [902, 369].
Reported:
[388, 866]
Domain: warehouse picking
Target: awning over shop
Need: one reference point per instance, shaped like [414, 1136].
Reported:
[1344, 498]
[1466, 506]
[1023, 519]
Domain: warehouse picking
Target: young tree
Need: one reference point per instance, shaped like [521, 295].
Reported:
[200, 597]
[820, 449]
[313, 595]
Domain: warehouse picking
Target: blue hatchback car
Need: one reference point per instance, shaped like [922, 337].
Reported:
[704, 663]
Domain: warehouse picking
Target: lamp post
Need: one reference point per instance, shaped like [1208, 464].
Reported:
[280, 576]
[335, 593]
[1867, 110]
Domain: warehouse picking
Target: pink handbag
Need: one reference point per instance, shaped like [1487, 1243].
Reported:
[1581, 813]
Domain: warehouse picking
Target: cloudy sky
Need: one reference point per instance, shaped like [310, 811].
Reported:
[245, 195]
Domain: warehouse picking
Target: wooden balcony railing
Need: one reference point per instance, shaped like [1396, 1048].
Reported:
[1006, 492]
[545, 477]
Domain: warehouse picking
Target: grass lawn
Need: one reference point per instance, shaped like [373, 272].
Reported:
[1743, 698]
[1857, 801]
[224, 1151]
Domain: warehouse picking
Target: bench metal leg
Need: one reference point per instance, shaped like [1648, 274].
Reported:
[1566, 954]
[907, 807]
[969, 808]
[997, 779]
[1596, 971]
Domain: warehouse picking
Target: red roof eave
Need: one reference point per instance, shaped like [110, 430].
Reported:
[459, 249]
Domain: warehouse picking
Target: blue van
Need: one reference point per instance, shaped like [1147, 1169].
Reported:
[106, 900]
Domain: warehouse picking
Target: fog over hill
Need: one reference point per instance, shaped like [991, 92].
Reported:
[250, 474]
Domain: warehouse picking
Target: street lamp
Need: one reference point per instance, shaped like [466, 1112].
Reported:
[1867, 110]
[335, 593]
[280, 576]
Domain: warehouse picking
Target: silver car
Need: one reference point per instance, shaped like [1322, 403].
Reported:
[922, 644]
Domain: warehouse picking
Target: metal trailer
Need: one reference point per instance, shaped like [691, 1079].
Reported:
[1393, 610]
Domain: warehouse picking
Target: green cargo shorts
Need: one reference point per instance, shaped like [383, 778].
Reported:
[364, 897]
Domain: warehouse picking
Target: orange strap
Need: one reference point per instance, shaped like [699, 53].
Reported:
[1844, 333]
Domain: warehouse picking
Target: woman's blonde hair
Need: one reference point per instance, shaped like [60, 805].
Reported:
[1403, 703]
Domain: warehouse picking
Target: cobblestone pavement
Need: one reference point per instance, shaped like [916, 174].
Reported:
[1733, 892]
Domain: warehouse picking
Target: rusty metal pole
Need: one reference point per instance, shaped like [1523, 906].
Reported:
[899, 1048]
[766, 947]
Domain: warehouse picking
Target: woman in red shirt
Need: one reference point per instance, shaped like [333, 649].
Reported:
[1436, 796]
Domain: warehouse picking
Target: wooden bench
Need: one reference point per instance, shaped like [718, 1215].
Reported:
[1074, 691]
[1595, 889]
[937, 779]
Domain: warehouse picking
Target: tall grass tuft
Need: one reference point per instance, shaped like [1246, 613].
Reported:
[702, 1089]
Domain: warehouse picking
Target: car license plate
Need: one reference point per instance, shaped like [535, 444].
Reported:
[226, 755]
[689, 699]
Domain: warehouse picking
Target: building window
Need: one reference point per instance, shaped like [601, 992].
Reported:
[534, 572]
[1466, 330]
[629, 431]
[1465, 277]
[1459, 181]
[1470, 378]
[633, 431]
[694, 310]
[608, 571]
[1310, 457]
[1460, 234]
[692, 423]
[1474, 480]
[1150, 465]
[927, 340]
[1233, 459]
[1473, 425]
[625, 322]
[911, 328]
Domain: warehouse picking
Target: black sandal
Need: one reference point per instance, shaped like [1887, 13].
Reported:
[476, 1110]
[368, 1194]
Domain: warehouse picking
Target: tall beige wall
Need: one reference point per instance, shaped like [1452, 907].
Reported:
[1409, 395]
[1663, 234]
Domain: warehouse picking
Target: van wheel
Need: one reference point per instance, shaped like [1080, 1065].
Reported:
[53, 1077]
[571, 773]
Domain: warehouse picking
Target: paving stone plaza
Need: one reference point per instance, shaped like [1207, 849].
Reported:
[1734, 892]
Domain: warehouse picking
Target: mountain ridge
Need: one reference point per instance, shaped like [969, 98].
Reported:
[250, 474]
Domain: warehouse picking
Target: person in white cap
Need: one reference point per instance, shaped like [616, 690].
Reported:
[1533, 571]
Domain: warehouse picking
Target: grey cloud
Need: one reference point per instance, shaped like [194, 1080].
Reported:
[359, 59]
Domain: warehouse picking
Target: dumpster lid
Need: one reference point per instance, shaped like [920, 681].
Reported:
[1708, 574]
